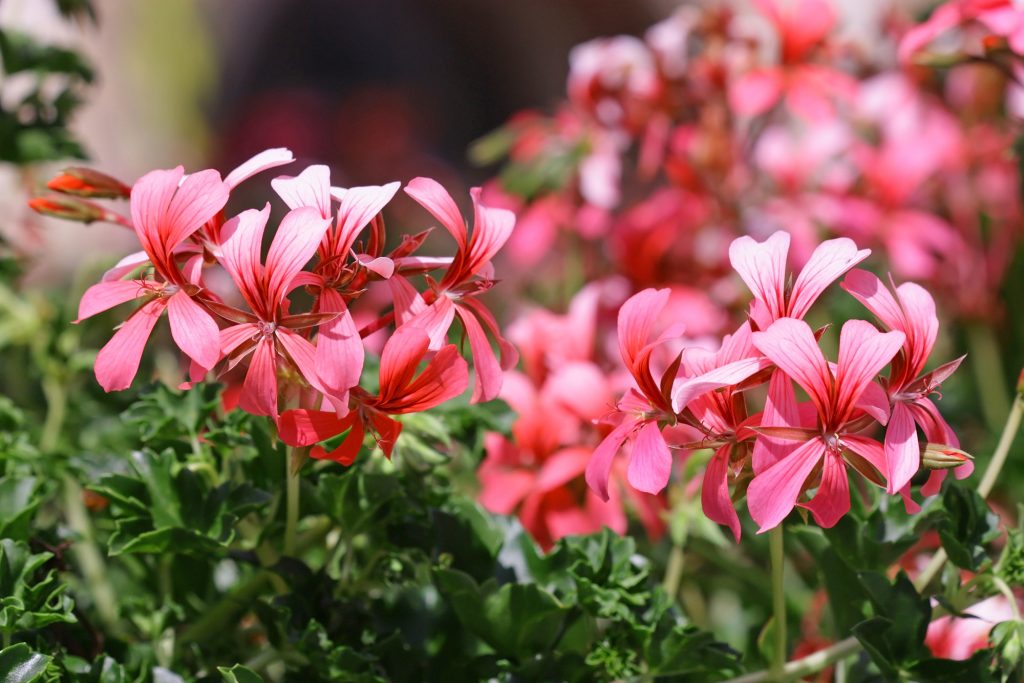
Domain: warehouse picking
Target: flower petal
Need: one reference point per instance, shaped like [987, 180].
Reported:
[863, 352]
[307, 427]
[902, 449]
[434, 198]
[311, 188]
[193, 330]
[600, 466]
[772, 494]
[832, 500]
[339, 350]
[830, 259]
[714, 492]
[294, 244]
[488, 371]
[398, 362]
[762, 266]
[259, 391]
[650, 463]
[105, 295]
[358, 207]
[791, 345]
[267, 159]
[118, 360]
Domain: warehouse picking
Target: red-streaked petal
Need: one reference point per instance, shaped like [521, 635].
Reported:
[105, 295]
[126, 265]
[445, 377]
[429, 194]
[780, 410]
[714, 493]
[259, 391]
[772, 494]
[600, 465]
[200, 197]
[832, 500]
[491, 229]
[902, 449]
[240, 253]
[358, 207]
[561, 468]
[435, 320]
[830, 260]
[868, 289]
[294, 244]
[488, 371]
[339, 349]
[398, 362]
[311, 188]
[118, 360]
[762, 266]
[265, 160]
[650, 463]
[863, 352]
[791, 345]
[348, 450]
[685, 390]
[193, 330]
[636, 319]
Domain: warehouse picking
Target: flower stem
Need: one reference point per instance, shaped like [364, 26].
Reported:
[673, 571]
[293, 465]
[778, 556]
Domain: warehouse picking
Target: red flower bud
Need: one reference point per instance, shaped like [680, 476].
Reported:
[85, 182]
[68, 208]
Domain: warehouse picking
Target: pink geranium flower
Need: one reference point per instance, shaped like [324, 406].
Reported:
[845, 398]
[912, 312]
[166, 210]
[762, 266]
[468, 275]
[267, 332]
[401, 391]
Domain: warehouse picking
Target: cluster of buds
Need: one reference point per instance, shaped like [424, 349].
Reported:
[300, 368]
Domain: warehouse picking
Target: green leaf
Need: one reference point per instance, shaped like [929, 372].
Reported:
[239, 674]
[894, 637]
[18, 504]
[967, 527]
[18, 664]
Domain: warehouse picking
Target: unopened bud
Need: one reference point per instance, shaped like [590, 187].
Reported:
[68, 208]
[85, 182]
[939, 456]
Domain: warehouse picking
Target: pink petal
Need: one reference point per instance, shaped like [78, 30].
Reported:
[303, 356]
[236, 335]
[773, 493]
[193, 330]
[241, 250]
[151, 196]
[491, 229]
[435, 199]
[729, 374]
[263, 161]
[561, 468]
[902, 449]
[348, 450]
[762, 266]
[869, 449]
[600, 465]
[259, 391]
[636, 319]
[382, 265]
[126, 265]
[118, 360]
[488, 372]
[830, 260]
[922, 324]
[105, 295]
[869, 290]
[650, 463]
[875, 402]
[407, 301]
[582, 388]
[435, 319]
[310, 189]
[509, 354]
[358, 207]
[832, 500]
[863, 352]
[294, 244]
[714, 493]
[200, 198]
[339, 350]
[501, 492]
[755, 92]
[791, 345]
[780, 410]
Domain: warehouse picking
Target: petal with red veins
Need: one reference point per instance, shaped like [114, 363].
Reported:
[118, 360]
[259, 391]
[296, 241]
[265, 160]
[832, 500]
[434, 198]
[311, 188]
[105, 295]
[650, 463]
[863, 352]
[902, 449]
[714, 493]
[600, 465]
[193, 330]
[829, 261]
[773, 494]
[762, 266]
[791, 345]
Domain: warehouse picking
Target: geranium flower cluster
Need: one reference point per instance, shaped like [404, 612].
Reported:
[302, 368]
[721, 122]
[739, 401]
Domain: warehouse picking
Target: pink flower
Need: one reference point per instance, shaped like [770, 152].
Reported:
[641, 411]
[960, 637]
[762, 266]
[267, 332]
[166, 210]
[912, 312]
[845, 399]
[401, 391]
[1004, 18]
[468, 275]
[341, 273]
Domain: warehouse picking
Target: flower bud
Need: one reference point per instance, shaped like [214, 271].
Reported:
[68, 208]
[85, 182]
[938, 456]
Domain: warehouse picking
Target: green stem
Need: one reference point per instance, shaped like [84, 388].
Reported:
[674, 571]
[989, 374]
[844, 648]
[56, 410]
[291, 520]
[88, 556]
[778, 556]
